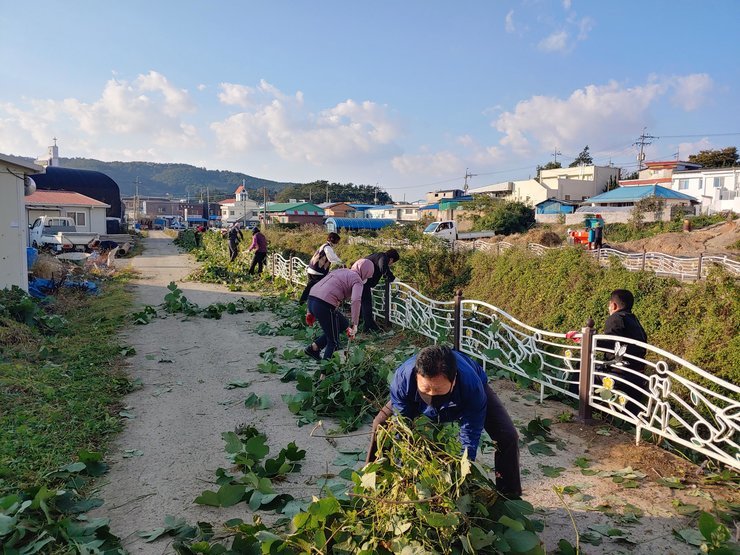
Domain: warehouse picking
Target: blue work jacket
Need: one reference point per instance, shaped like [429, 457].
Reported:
[467, 404]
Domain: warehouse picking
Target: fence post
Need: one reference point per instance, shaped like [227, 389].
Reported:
[272, 264]
[457, 325]
[698, 269]
[387, 302]
[584, 393]
[644, 255]
[290, 270]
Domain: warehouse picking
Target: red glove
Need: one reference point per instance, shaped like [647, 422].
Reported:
[574, 336]
[351, 332]
[310, 319]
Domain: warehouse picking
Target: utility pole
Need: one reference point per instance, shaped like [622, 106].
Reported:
[375, 198]
[467, 175]
[327, 191]
[556, 154]
[264, 207]
[244, 200]
[136, 199]
[642, 141]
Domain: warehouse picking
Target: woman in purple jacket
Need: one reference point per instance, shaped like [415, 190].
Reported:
[324, 301]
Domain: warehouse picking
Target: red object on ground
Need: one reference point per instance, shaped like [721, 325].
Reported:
[310, 319]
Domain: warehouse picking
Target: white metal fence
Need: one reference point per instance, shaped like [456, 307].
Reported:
[678, 401]
[681, 267]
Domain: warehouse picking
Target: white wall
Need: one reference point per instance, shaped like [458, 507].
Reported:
[13, 227]
[97, 221]
[700, 185]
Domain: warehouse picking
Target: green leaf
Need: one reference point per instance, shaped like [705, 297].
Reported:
[539, 448]
[480, 539]
[690, 536]
[324, 507]
[229, 495]
[440, 520]
[368, 480]
[209, 498]
[594, 538]
[509, 522]
[521, 541]
[151, 535]
[233, 443]
[552, 471]
[707, 524]
[234, 385]
[565, 548]
[671, 482]
[582, 462]
[256, 446]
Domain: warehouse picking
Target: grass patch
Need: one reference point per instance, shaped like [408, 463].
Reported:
[58, 390]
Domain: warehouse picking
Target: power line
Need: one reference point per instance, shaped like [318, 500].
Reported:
[700, 135]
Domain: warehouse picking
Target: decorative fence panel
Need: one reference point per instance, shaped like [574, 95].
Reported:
[673, 398]
[500, 340]
[677, 401]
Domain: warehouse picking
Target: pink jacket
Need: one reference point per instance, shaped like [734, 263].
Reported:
[343, 284]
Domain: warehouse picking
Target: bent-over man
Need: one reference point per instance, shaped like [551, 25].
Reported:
[447, 386]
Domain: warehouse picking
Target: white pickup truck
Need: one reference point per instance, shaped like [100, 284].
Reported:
[448, 230]
[58, 234]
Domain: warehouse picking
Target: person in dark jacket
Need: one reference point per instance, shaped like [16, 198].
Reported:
[320, 264]
[447, 386]
[382, 261]
[623, 323]
[235, 237]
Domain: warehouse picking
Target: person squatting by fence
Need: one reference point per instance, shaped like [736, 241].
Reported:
[447, 386]
[259, 245]
[320, 263]
[235, 237]
[323, 305]
[382, 262]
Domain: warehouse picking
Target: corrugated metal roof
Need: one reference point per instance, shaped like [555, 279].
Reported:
[65, 198]
[359, 223]
[630, 194]
[294, 207]
[434, 206]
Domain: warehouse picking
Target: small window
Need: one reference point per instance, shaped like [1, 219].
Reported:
[718, 182]
[78, 218]
[683, 184]
[567, 197]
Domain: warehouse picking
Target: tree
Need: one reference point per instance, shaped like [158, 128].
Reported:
[611, 184]
[720, 158]
[316, 192]
[626, 176]
[502, 216]
[548, 166]
[583, 159]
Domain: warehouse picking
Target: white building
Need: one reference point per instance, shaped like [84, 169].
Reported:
[240, 208]
[13, 222]
[397, 212]
[573, 184]
[716, 189]
[87, 213]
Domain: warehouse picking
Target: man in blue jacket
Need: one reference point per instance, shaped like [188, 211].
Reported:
[446, 385]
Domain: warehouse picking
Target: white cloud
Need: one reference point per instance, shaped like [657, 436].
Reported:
[275, 121]
[585, 26]
[146, 111]
[442, 163]
[567, 4]
[542, 122]
[509, 22]
[555, 42]
[687, 149]
[202, 87]
[691, 90]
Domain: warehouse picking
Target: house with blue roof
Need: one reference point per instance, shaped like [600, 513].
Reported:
[617, 204]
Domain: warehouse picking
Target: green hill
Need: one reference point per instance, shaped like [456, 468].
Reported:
[177, 180]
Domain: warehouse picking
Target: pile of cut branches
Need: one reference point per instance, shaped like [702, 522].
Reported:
[419, 497]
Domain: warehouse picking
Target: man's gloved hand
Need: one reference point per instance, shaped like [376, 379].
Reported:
[352, 332]
[310, 319]
[574, 335]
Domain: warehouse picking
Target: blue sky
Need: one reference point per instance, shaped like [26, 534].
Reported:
[405, 94]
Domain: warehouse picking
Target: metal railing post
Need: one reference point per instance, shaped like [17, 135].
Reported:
[272, 263]
[698, 269]
[644, 256]
[584, 387]
[290, 270]
[457, 325]
[387, 302]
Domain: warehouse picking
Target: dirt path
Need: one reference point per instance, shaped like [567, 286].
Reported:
[183, 407]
